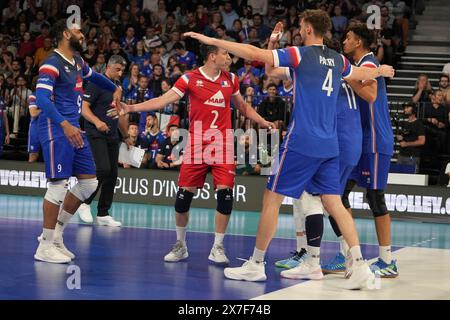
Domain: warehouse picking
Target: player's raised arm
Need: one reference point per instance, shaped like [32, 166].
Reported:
[271, 71]
[154, 104]
[242, 50]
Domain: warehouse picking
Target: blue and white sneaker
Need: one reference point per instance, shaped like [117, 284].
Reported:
[384, 270]
[292, 262]
[337, 265]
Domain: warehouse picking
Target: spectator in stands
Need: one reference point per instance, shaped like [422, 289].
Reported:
[4, 89]
[384, 38]
[411, 138]
[10, 13]
[45, 33]
[273, 108]
[18, 110]
[246, 163]
[262, 30]
[44, 52]
[339, 22]
[248, 75]
[270, 19]
[422, 89]
[447, 172]
[90, 54]
[446, 69]
[228, 15]
[140, 94]
[444, 80]
[252, 37]
[128, 42]
[30, 71]
[259, 6]
[388, 16]
[174, 38]
[115, 49]
[155, 80]
[436, 120]
[100, 63]
[153, 138]
[170, 155]
[185, 57]
[169, 27]
[134, 140]
[151, 39]
[26, 46]
[222, 34]
[16, 69]
[4, 125]
[140, 56]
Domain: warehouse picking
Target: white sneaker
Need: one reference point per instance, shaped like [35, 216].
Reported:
[217, 254]
[85, 213]
[304, 271]
[108, 221]
[360, 278]
[48, 252]
[178, 252]
[59, 244]
[250, 271]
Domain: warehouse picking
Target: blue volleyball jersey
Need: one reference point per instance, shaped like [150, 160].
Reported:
[349, 129]
[375, 118]
[32, 104]
[317, 73]
[64, 79]
[282, 92]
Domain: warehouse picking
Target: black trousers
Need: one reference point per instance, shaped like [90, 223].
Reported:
[106, 157]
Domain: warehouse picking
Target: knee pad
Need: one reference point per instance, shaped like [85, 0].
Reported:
[299, 218]
[225, 201]
[311, 205]
[348, 188]
[377, 202]
[84, 188]
[56, 191]
[183, 201]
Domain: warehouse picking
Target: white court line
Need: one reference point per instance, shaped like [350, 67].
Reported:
[423, 274]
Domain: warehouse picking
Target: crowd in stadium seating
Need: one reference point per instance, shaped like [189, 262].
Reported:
[149, 35]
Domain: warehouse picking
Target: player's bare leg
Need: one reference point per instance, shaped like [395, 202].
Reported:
[183, 202]
[33, 157]
[222, 218]
[253, 270]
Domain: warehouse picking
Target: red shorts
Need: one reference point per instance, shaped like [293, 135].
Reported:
[194, 175]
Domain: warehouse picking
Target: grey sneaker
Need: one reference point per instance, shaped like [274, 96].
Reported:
[178, 252]
[217, 254]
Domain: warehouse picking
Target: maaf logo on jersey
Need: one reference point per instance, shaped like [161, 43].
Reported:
[217, 100]
[79, 84]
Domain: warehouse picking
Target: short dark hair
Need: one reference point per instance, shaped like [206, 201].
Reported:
[412, 105]
[133, 124]
[363, 33]
[221, 27]
[206, 50]
[178, 45]
[444, 75]
[319, 20]
[58, 30]
[271, 85]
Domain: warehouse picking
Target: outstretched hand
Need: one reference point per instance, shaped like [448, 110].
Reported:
[277, 32]
[386, 71]
[200, 37]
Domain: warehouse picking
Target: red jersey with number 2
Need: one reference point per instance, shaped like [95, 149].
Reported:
[210, 111]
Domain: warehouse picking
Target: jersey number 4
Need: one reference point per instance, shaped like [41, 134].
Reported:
[328, 83]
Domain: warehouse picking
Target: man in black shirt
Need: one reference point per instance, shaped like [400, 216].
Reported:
[436, 120]
[170, 153]
[103, 137]
[411, 139]
[272, 109]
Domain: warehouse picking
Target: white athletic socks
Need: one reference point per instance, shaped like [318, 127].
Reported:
[301, 242]
[313, 257]
[47, 235]
[343, 246]
[218, 238]
[63, 219]
[181, 234]
[356, 255]
[386, 254]
[258, 255]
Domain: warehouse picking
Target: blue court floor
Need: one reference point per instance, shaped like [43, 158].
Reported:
[127, 262]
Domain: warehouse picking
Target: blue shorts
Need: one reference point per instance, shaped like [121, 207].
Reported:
[345, 173]
[296, 172]
[63, 161]
[34, 145]
[373, 170]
